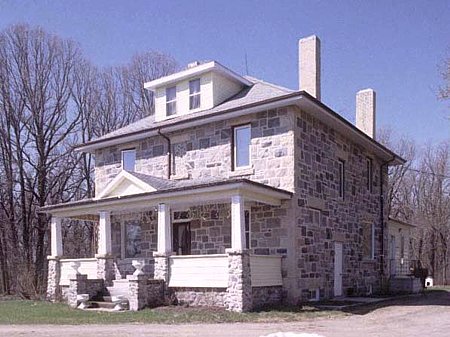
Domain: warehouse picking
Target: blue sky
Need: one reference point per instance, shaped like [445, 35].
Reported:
[394, 47]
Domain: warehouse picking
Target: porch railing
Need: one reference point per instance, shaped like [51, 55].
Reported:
[209, 271]
[403, 267]
[88, 267]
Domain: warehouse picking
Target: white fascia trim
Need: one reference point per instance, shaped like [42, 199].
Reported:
[124, 175]
[183, 197]
[191, 72]
[187, 124]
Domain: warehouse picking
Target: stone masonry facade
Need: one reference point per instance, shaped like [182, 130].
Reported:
[291, 150]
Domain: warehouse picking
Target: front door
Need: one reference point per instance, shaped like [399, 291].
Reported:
[182, 238]
[337, 269]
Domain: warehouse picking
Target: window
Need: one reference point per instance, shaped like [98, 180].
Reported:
[129, 160]
[241, 146]
[341, 178]
[368, 241]
[369, 172]
[314, 216]
[247, 228]
[133, 238]
[402, 247]
[194, 94]
[171, 101]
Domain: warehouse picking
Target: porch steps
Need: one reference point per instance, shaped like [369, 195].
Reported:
[101, 304]
[119, 288]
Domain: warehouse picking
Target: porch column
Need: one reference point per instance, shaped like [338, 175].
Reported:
[104, 233]
[105, 261]
[237, 223]
[56, 237]
[164, 244]
[54, 264]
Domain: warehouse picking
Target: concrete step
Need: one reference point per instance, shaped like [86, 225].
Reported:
[101, 304]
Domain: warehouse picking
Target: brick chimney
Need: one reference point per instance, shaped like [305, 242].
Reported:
[366, 111]
[309, 65]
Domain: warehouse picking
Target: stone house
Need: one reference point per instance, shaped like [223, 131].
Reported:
[236, 193]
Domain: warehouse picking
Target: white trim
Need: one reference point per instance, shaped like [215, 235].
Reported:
[122, 176]
[196, 71]
[244, 167]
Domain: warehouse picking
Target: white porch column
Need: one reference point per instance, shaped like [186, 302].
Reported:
[164, 230]
[237, 223]
[104, 234]
[56, 237]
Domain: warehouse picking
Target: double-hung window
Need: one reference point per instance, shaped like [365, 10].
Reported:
[369, 172]
[194, 94]
[171, 101]
[241, 146]
[341, 178]
[129, 160]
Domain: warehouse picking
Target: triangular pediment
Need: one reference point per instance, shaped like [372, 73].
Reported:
[125, 184]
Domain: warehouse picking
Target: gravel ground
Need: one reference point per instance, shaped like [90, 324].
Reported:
[418, 316]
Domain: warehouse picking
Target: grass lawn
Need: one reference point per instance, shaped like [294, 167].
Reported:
[41, 312]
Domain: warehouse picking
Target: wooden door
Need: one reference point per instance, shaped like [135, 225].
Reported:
[337, 269]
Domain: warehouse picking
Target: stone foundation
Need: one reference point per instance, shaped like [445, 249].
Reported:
[53, 277]
[105, 268]
[79, 284]
[161, 266]
[266, 296]
[239, 291]
[200, 297]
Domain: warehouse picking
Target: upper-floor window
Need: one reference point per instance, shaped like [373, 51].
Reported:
[241, 146]
[369, 172]
[341, 178]
[129, 160]
[171, 101]
[194, 94]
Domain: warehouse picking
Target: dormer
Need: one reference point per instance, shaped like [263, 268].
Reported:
[199, 87]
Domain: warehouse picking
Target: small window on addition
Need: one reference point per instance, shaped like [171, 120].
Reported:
[241, 146]
[194, 94]
[171, 101]
[129, 160]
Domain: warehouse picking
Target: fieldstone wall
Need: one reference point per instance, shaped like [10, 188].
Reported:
[322, 217]
[266, 296]
[205, 151]
[53, 277]
[239, 291]
[209, 297]
[79, 284]
[161, 267]
[106, 269]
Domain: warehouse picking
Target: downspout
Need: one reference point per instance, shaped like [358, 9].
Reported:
[382, 212]
[169, 153]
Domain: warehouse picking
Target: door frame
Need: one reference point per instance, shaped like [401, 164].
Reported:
[338, 268]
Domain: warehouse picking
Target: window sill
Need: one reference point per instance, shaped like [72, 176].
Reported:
[244, 171]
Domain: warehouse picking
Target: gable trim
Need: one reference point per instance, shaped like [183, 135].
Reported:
[121, 177]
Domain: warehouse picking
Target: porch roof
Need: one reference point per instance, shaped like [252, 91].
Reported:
[186, 193]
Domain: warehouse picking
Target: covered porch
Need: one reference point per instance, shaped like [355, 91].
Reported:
[198, 267]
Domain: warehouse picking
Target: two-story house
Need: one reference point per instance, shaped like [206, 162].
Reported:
[237, 193]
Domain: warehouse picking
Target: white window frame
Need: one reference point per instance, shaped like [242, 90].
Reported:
[122, 157]
[235, 129]
[171, 101]
[195, 94]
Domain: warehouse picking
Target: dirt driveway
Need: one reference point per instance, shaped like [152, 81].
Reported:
[419, 316]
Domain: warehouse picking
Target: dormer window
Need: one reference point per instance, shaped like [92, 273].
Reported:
[194, 94]
[171, 101]
[129, 160]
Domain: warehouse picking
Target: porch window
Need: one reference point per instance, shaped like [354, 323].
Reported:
[133, 238]
[247, 229]
[341, 178]
[171, 101]
[369, 173]
[241, 146]
[368, 241]
[129, 160]
[194, 94]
